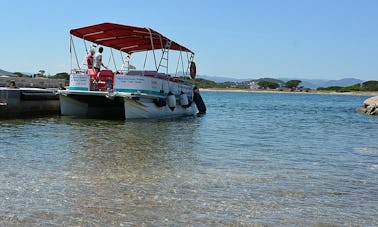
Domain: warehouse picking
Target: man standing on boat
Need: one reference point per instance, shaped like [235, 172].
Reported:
[98, 60]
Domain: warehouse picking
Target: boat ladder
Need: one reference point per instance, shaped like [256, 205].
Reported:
[164, 57]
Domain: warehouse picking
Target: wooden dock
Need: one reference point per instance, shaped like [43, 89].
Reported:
[28, 102]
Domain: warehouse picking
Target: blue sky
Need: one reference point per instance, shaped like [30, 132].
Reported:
[311, 39]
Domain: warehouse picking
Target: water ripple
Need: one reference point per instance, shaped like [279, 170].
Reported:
[254, 159]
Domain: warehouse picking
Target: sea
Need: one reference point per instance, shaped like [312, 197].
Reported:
[255, 159]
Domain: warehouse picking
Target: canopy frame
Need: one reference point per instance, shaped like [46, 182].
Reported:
[131, 39]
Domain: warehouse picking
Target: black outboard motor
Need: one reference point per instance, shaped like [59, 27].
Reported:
[199, 101]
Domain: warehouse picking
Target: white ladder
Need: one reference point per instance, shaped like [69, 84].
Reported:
[164, 57]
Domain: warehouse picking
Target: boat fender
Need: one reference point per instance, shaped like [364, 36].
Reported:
[193, 70]
[171, 101]
[160, 102]
[184, 100]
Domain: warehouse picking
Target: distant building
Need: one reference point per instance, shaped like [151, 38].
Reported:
[253, 85]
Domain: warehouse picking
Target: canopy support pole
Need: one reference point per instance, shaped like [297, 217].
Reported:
[178, 63]
[153, 48]
[145, 61]
[77, 60]
[111, 52]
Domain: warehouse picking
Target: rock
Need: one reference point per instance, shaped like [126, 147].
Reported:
[370, 109]
[370, 101]
[370, 106]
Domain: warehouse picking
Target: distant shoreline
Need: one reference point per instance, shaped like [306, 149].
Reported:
[361, 93]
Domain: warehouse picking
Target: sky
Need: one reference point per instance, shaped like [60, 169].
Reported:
[241, 39]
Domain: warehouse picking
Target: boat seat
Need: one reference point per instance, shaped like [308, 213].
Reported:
[105, 79]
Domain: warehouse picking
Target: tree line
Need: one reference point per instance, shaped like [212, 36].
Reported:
[371, 85]
[263, 83]
[292, 85]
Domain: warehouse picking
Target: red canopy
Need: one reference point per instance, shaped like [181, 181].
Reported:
[126, 38]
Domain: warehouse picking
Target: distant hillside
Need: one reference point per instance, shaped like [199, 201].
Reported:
[2, 72]
[221, 79]
[313, 84]
[343, 82]
[307, 83]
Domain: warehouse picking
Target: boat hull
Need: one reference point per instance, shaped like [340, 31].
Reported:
[92, 106]
[145, 108]
[137, 94]
[118, 106]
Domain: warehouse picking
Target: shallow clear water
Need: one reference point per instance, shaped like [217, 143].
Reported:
[255, 158]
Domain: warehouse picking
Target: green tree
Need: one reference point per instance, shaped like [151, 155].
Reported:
[41, 73]
[371, 85]
[263, 84]
[19, 74]
[63, 75]
[354, 87]
[203, 83]
[293, 84]
[273, 85]
[267, 84]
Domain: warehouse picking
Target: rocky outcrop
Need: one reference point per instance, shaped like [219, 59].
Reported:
[370, 106]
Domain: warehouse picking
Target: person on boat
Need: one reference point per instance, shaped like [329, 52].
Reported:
[97, 63]
[90, 58]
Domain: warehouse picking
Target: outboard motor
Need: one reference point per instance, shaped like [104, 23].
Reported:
[199, 101]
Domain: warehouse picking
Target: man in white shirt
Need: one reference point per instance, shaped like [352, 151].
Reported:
[97, 61]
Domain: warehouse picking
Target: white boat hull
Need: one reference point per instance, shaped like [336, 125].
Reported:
[90, 104]
[135, 109]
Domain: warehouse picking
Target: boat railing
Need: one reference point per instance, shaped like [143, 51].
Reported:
[105, 79]
[78, 71]
[121, 72]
